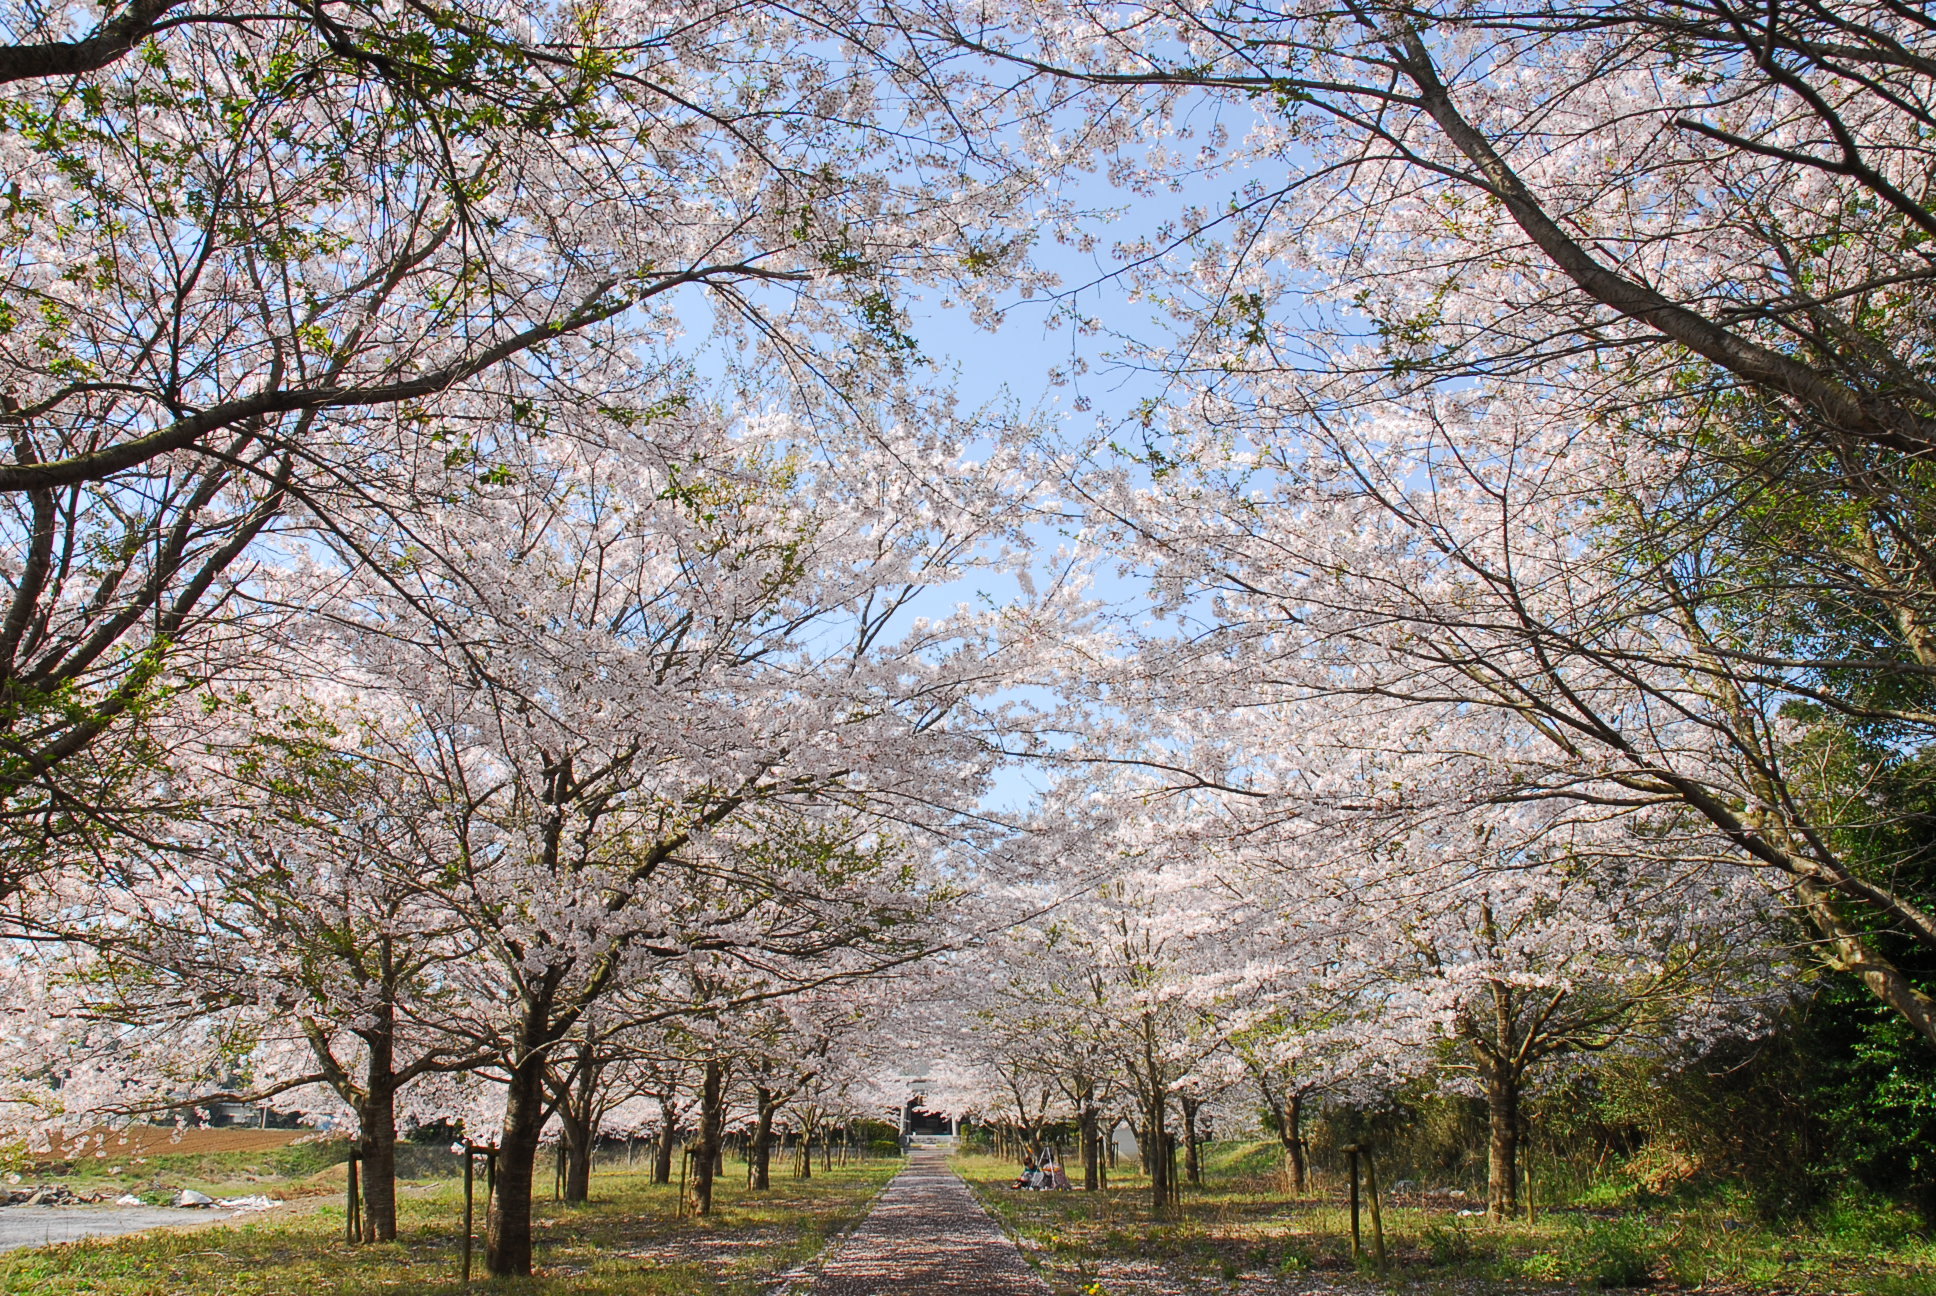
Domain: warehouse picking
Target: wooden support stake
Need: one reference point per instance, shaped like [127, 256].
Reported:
[1357, 1246]
[470, 1215]
[352, 1215]
[1377, 1216]
[1526, 1163]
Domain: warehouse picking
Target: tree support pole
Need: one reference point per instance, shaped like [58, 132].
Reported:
[1377, 1215]
[470, 1206]
[1357, 1245]
[352, 1212]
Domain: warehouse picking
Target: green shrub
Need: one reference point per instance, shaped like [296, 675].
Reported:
[1863, 1219]
[1610, 1253]
[1295, 1258]
[1449, 1242]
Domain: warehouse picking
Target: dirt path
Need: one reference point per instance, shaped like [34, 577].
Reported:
[927, 1236]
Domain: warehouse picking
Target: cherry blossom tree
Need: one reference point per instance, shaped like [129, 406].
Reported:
[662, 672]
[268, 282]
[294, 948]
[1598, 318]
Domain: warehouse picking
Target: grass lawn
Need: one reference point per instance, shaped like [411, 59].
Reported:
[630, 1239]
[1239, 1233]
[157, 1164]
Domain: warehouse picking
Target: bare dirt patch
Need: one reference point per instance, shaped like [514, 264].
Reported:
[166, 1140]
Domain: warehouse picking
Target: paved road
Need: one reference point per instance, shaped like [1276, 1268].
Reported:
[29, 1226]
[927, 1236]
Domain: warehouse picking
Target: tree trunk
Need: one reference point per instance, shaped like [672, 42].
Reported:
[1291, 1130]
[578, 1119]
[507, 1244]
[376, 1127]
[579, 1143]
[1192, 1164]
[1156, 1157]
[806, 1154]
[1091, 1151]
[705, 1153]
[376, 1145]
[761, 1152]
[668, 1141]
[1502, 1120]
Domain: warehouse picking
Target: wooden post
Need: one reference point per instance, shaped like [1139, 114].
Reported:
[1377, 1216]
[685, 1159]
[1526, 1166]
[1357, 1246]
[470, 1215]
[352, 1214]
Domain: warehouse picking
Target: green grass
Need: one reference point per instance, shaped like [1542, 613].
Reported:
[219, 1174]
[1241, 1226]
[630, 1240]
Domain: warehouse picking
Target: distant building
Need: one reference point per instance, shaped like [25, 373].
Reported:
[915, 1118]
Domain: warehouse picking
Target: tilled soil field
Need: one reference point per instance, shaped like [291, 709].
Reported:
[160, 1140]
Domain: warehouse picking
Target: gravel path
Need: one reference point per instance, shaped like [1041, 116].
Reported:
[927, 1236]
[32, 1226]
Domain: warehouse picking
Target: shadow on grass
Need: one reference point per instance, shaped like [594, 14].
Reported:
[630, 1239]
[1242, 1227]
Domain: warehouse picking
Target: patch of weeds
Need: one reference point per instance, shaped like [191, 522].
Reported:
[1612, 1191]
[1295, 1258]
[1860, 1221]
[1543, 1267]
[1450, 1242]
[1609, 1253]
